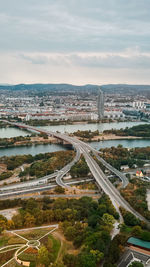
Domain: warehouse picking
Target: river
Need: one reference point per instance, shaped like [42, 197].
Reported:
[33, 150]
[70, 128]
[129, 143]
[36, 149]
[12, 132]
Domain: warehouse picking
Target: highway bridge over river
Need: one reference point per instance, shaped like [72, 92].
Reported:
[88, 152]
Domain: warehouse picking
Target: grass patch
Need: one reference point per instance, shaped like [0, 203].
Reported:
[13, 264]
[56, 246]
[10, 240]
[3, 240]
[53, 248]
[16, 240]
[35, 234]
[15, 247]
[28, 257]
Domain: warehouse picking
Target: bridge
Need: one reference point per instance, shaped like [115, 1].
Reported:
[101, 179]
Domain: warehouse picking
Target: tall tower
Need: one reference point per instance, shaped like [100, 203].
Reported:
[100, 104]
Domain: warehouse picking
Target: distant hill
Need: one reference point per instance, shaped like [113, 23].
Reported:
[46, 86]
[128, 88]
[64, 88]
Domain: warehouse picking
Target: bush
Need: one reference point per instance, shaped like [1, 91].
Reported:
[145, 235]
[59, 190]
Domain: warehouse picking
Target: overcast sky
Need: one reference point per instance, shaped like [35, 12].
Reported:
[75, 41]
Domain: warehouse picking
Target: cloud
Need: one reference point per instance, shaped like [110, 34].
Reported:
[74, 25]
[87, 37]
[17, 69]
[126, 59]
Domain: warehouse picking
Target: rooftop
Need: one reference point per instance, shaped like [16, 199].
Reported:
[139, 242]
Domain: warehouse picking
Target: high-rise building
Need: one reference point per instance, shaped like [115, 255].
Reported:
[100, 104]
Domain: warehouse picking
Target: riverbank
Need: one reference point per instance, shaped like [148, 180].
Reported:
[37, 140]
[108, 137]
[70, 122]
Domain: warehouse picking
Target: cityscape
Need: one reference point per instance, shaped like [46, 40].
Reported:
[74, 133]
[82, 106]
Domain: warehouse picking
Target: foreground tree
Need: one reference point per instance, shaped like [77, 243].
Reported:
[108, 219]
[136, 264]
[43, 256]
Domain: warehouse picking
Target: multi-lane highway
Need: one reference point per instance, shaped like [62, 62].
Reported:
[67, 168]
[14, 191]
[119, 174]
[98, 174]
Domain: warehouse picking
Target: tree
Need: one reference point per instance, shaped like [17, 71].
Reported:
[69, 214]
[59, 190]
[58, 215]
[109, 264]
[78, 240]
[38, 215]
[139, 163]
[131, 162]
[69, 260]
[70, 233]
[10, 224]
[145, 235]
[43, 256]
[102, 209]
[32, 264]
[3, 222]
[31, 204]
[17, 220]
[108, 219]
[130, 219]
[86, 259]
[29, 220]
[48, 216]
[136, 230]
[96, 253]
[136, 264]
[93, 220]
[58, 264]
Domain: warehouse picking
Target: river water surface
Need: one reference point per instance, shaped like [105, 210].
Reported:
[70, 128]
[36, 149]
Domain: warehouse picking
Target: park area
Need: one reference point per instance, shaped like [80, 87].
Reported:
[38, 246]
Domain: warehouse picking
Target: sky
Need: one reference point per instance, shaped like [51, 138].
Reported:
[75, 41]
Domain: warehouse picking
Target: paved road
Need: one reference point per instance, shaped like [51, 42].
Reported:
[20, 191]
[98, 174]
[67, 168]
[108, 166]
[108, 187]
[131, 255]
[29, 184]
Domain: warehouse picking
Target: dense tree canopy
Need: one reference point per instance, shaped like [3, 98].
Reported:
[136, 264]
[142, 130]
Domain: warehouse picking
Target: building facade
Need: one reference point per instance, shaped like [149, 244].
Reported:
[100, 104]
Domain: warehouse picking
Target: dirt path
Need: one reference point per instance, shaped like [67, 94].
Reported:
[66, 246]
[58, 236]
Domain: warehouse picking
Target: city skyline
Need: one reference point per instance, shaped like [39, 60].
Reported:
[100, 104]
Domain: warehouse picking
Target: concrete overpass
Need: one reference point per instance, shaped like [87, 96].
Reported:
[98, 174]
